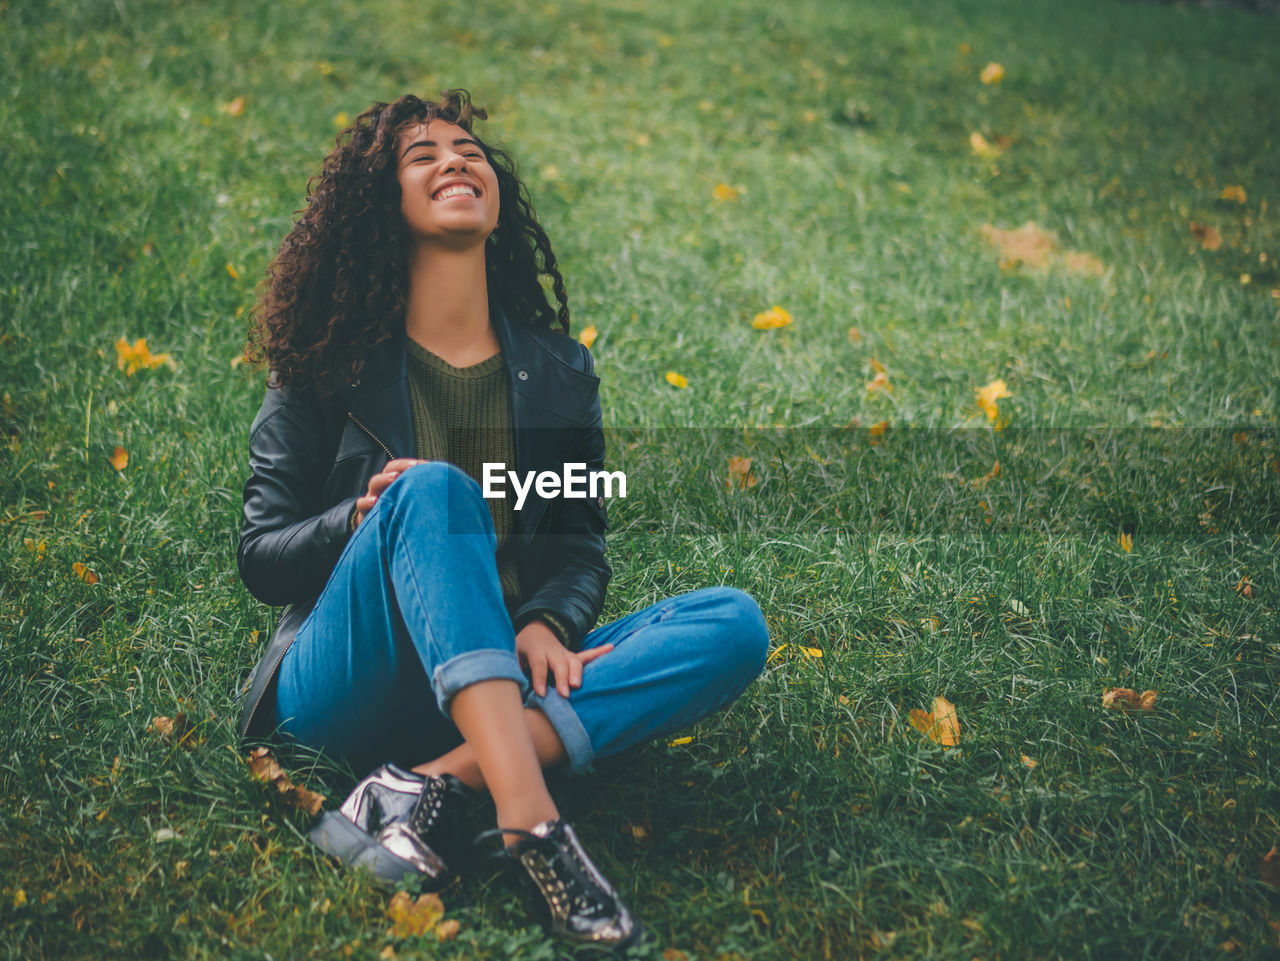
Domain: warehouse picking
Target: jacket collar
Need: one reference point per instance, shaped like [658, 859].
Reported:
[546, 392]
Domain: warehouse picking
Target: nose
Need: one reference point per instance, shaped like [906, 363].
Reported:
[456, 161]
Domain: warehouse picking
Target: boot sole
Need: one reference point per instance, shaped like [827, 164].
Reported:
[339, 838]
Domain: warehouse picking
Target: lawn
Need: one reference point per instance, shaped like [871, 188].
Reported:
[1108, 520]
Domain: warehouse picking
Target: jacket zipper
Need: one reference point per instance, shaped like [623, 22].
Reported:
[253, 712]
[374, 437]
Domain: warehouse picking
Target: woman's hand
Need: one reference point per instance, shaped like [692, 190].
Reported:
[541, 652]
[380, 482]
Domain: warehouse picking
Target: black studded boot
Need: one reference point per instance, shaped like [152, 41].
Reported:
[576, 903]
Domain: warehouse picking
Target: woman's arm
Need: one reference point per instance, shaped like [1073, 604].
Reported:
[290, 539]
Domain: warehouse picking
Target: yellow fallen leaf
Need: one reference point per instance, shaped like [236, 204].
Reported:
[988, 395]
[1234, 192]
[137, 356]
[880, 382]
[1126, 542]
[939, 725]
[412, 918]
[875, 430]
[983, 147]
[680, 741]
[234, 108]
[1127, 699]
[812, 651]
[677, 380]
[1028, 761]
[726, 194]
[232, 272]
[992, 73]
[776, 652]
[771, 319]
[1208, 236]
[341, 119]
[83, 572]
[740, 476]
[37, 547]
[119, 458]
[588, 336]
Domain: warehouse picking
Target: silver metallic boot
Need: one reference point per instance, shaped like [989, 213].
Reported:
[395, 823]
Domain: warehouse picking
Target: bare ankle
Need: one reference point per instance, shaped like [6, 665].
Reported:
[525, 816]
[468, 774]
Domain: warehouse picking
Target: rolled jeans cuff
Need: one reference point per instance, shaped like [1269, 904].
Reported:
[471, 667]
[564, 719]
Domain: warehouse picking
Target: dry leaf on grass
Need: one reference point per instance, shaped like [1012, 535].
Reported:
[1208, 236]
[1127, 699]
[939, 725]
[983, 147]
[119, 458]
[677, 380]
[740, 475]
[410, 918]
[82, 571]
[1033, 247]
[879, 382]
[588, 335]
[266, 769]
[1269, 869]
[176, 730]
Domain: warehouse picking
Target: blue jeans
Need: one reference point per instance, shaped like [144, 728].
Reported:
[413, 613]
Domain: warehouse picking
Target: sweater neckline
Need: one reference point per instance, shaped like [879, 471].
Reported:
[423, 356]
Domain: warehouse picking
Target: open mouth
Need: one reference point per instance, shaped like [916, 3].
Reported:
[455, 190]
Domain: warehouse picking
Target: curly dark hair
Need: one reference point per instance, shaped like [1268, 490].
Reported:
[338, 287]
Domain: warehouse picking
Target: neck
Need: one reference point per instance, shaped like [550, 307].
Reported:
[448, 306]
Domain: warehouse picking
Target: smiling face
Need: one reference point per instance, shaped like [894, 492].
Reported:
[448, 189]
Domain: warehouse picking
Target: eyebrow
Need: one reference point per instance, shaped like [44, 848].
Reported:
[431, 143]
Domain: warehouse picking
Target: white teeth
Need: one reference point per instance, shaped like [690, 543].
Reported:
[457, 190]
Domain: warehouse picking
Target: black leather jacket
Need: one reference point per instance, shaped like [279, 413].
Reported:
[310, 459]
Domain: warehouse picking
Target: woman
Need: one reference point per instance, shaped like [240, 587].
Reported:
[445, 639]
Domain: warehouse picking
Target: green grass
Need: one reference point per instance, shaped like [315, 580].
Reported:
[810, 821]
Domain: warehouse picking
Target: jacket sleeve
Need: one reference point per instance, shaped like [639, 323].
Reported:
[573, 594]
[289, 540]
